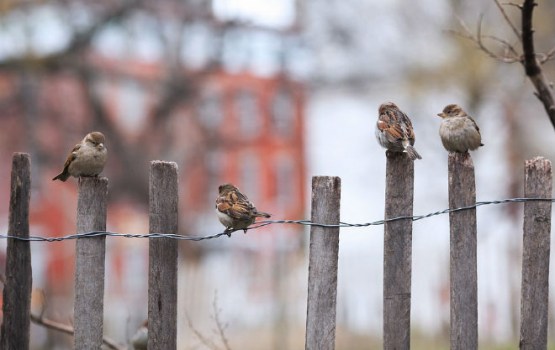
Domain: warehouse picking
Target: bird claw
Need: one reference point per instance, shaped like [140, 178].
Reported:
[228, 231]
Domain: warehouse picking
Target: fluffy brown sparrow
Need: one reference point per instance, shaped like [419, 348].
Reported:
[394, 130]
[234, 209]
[87, 158]
[458, 131]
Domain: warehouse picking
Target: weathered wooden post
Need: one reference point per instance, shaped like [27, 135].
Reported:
[89, 263]
[162, 275]
[399, 193]
[535, 259]
[322, 266]
[18, 284]
[464, 286]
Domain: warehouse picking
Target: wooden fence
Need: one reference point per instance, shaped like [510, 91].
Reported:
[323, 258]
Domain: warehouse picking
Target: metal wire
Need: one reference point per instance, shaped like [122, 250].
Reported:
[270, 222]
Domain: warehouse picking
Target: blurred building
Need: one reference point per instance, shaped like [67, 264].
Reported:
[222, 118]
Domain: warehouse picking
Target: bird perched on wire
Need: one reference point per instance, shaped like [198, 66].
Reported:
[87, 158]
[458, 131]
[234, 209]
[394, 130]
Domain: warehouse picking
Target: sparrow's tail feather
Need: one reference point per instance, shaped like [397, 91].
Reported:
[260, 214]
[411, 151]
[63, 176]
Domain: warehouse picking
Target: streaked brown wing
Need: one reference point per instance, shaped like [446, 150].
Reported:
[235, 205]
[387, 122]
[72, 155]
[409, 131]
[237, 197]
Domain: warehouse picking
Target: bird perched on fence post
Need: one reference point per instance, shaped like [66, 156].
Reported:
[87, 158]
[458, 131]
[234, 209]
[394, 130]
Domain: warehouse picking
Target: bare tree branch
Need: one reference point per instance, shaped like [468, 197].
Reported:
[477, 39]
[530, 60]
[531, 64]
[67, 329]
[61, 327]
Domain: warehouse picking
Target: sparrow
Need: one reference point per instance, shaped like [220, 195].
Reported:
[394, 130]
[458, 131]
[87, 158]
[140, 338]
[234, 209]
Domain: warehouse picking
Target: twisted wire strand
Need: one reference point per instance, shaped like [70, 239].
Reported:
[260, 224]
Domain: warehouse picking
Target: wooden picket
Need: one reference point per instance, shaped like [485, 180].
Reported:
[323, 258]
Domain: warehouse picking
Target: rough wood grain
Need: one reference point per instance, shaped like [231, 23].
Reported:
[162, 275]
[464, 287]
[535, 259]
[322, 268]
[17, 289]
[399, 193]
[89, 263]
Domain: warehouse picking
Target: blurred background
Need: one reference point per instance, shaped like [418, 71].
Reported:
[266, 95]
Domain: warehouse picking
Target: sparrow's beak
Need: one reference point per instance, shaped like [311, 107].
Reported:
[442, 115]
[101, 145]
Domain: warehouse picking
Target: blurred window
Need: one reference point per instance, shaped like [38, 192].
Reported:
[248, 113]
[285, 182]
[209, 109]
[283, 111]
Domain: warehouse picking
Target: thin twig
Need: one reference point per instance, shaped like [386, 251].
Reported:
[513, 27]
[544, 57]
[219, 326]
[518, 6]
[485, 49]
[467, 34]
[205, 341]
[508, 46]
